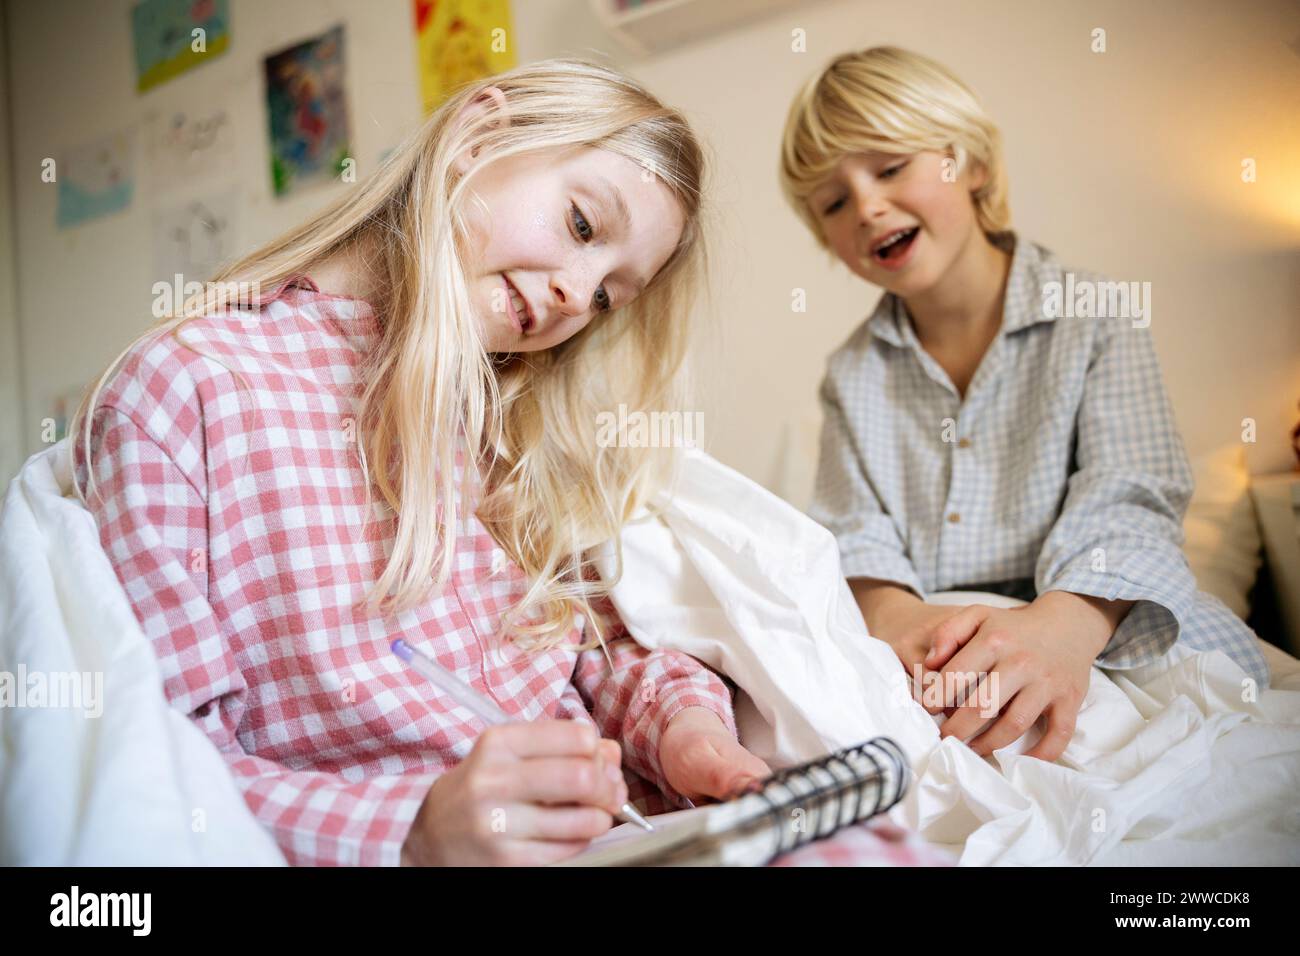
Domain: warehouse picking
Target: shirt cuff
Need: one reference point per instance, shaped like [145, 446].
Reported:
[1151, 626]
[393, 824]
[709, 692]
[883, 566]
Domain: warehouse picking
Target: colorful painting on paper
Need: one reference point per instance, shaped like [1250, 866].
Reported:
[457, 41]
[96, 179]
[308, 112]
[165, 42]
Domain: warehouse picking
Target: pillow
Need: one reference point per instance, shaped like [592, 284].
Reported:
[1222, 536]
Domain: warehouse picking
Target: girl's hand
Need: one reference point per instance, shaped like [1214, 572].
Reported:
[527, 795]
[701, 759]
[1030, 661]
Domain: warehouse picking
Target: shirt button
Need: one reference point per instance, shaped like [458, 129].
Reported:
[964, 443]
[953, 518]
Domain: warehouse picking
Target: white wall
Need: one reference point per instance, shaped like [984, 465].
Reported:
[13, 446]
[1127, 162]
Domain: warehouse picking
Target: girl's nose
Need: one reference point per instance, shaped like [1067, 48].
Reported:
[572, 293]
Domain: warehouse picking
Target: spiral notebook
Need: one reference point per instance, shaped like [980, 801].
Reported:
[791, 808]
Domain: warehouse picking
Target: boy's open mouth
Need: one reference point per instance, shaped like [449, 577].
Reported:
[895, 245]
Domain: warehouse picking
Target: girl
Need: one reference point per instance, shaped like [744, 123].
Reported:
[973, 438]
[444, 336]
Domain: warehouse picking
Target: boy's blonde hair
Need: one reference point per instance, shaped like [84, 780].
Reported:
[889, 100]
[546, 490]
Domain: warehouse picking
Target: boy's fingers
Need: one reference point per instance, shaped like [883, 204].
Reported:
[1061, 719]
[1015, 721]
[964, 723]
[974, 658]
[985, 696]
[950, 634]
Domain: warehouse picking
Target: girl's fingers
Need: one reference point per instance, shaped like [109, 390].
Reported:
[559, 780]
[741, 770]
[536, 852]
[563, 824]
[1015, 721]
[539, 738]
[714, 766]
[611, 752]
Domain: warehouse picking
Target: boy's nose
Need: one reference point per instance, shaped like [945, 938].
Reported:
[871, 206]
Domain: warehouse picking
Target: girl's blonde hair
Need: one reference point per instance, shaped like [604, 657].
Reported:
[892, 101]
[549, 494]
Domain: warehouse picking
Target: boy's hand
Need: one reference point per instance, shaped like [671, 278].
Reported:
[911, 633]
[1031, 661]
[906, 623]
[700, 758]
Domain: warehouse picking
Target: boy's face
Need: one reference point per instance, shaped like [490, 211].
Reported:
[870, 197]
[553, 236]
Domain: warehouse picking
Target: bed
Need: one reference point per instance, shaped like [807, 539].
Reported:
[1169, 766]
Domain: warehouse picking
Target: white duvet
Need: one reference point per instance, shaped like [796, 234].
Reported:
[1167, 766]
[137, 785]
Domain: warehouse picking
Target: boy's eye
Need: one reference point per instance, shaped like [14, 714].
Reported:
[887, 173]
[585, 232]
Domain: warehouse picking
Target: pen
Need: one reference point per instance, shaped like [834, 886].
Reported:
[471, 699]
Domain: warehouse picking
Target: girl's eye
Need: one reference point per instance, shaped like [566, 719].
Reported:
[893, 170]
[834, 207]
[580, 223]
[585, 232]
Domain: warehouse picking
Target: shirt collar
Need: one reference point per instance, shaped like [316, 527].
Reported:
[1031, 267]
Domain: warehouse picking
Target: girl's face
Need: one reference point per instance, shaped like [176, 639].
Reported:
[564, 237]
[869, 198]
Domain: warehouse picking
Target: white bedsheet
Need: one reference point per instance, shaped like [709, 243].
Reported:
[137, 785]
[1168, 765]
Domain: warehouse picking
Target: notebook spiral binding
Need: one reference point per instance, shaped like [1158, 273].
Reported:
[823, 802]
